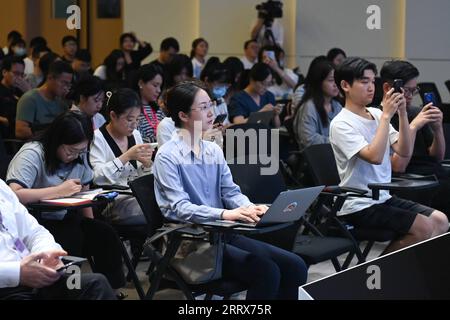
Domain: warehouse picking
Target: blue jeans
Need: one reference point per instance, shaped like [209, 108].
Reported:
[267, 271]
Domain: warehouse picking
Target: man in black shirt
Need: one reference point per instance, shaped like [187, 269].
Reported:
[168, 49]
[427, 130]
[12, 87]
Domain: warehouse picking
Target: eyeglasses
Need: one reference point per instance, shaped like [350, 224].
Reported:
[411, 91]
[205, 106]
[71, 152]
[65, 84]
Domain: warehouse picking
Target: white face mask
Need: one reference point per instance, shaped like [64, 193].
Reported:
[19, 51]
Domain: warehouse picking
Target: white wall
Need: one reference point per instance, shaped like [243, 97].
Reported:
[412, 29]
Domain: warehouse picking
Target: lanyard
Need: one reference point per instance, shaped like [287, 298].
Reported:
[19, 246]
[152, 122]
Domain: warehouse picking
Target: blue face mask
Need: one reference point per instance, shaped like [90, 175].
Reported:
[219, 92]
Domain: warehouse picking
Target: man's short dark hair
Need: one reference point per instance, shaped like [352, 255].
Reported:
[14, 35]
[38, 41]
[398, 69]
[9, 61]
[68, 39]
[127, 35]
[352, 69]
[59, 67]
[83, 55]
[248, 42]
[168, 43]
[36, 51]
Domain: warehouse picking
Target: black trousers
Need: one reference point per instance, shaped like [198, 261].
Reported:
[92, 287]
[85, 237]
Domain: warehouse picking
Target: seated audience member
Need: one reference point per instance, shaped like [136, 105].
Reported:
[362, 140]
[235, 69]
[255, 97]
[12, 36]
[133, 58]
[149, 82]
[30, 61]
[36, 77]
[81, 64]
[89, 98]
[18, 48]
[113, 71]
[217, 80]
[179, 69]
[168, 50]
[336, 56]
[12, 87]
[285, 80]
[181, 189]
[426, 129]
[317, 107]
[56, 166]
[118, 155]
[300, 90]
[45, 62]
[199, 52]
[28, 271]
[70, 48]
[39, 107]
[251, 49]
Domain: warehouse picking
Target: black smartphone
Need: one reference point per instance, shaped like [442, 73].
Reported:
[64, 267]
[220, 118]
[70, 261]
[398, 85]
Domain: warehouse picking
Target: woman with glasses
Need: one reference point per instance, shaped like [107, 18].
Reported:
[56, 166]
[193, 184]
[255, 97]
[118, 154]
[89, 98]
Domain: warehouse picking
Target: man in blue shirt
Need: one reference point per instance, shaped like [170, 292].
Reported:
[193, 183]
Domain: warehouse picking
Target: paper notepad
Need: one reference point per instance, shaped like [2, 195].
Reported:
[81, 197]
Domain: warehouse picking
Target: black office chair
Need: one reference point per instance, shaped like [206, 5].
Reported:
[5, 159]
[447, 84]
[143, 190]
[322, 163]
[310, 244]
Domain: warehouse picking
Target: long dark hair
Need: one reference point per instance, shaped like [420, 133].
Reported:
[69, 128]
[110, 64]
[313, 88]
[195, 43]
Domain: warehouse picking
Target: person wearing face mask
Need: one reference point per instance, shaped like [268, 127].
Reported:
[89, 98]
[285, 79]
[149, 81]
[18, 48]
[217, 80]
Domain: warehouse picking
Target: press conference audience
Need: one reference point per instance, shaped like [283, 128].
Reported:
[29, 258]
[206, 192]
[118, 155]
[39, 107]
[363, 140]
[55, 165]
[317, 107]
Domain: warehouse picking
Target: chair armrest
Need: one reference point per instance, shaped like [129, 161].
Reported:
[352, 191]
[113, 187]
[413, 176]
[401, 185]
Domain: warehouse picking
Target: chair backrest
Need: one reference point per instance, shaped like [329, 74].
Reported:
[256, 135]
[430, 87]
[144, 191]
[446, 127]
[257, 187]
[447, 84]
[321, 161]
[264, 189]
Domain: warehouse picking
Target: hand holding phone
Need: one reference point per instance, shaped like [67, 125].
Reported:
[429, 97]
[271, 55]
[398, 85]
[70, 261]
[220, 118]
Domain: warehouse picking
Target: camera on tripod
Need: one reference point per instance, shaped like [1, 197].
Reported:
[270, 10]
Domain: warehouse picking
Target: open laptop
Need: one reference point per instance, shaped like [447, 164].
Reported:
[289, 206]
[261, 117]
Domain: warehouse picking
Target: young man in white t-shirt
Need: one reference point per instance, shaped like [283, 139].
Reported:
[364, 145]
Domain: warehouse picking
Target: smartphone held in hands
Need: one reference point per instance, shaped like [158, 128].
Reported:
[429, 97]
[398, 85]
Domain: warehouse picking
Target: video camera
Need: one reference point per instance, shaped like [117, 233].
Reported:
[270, 10]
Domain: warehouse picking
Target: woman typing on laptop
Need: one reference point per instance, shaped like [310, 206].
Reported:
[193, 184]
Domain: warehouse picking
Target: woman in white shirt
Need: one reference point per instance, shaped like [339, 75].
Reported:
[198, 55]
[118, 154]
